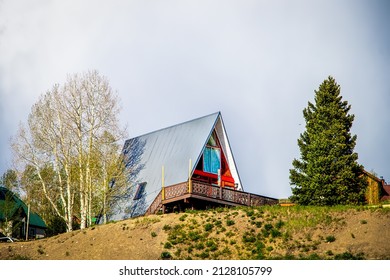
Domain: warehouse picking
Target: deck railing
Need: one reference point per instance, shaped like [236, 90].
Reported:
[230, 195]
[210, 191]
[155, 205]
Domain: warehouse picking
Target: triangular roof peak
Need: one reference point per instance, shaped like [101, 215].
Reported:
[173, 148]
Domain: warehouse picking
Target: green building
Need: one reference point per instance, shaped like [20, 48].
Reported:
[14, 216]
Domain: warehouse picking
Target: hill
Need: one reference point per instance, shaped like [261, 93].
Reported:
[224, 233]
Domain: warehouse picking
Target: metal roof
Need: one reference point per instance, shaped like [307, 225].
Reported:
[171, 148]
[35, 219]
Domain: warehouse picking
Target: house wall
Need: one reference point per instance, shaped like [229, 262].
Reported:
[36, 232]
[373, 191]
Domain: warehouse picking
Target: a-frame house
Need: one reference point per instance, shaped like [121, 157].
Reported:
[189, 165]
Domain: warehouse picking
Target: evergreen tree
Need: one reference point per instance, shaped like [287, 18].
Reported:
[328, 172]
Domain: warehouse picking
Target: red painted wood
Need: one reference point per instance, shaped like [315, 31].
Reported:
[227, 179]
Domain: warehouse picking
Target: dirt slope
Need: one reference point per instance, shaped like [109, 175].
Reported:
[236, 233]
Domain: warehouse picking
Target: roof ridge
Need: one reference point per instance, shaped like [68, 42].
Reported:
[171, 126]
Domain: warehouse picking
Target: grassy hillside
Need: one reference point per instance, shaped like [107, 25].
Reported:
[225, 233]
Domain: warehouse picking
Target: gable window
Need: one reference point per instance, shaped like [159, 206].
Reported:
[140, 191]
[212, 140]
[211, 160]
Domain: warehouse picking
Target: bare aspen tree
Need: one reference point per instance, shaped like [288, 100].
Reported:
[113, 171]
[66, 132]
[92, 110]
[45, 144]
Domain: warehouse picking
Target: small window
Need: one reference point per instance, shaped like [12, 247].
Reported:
[140, 191]
[212, 140]
[211, 160]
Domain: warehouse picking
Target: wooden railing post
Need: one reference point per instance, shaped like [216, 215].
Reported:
[162, 184]
[189, 177]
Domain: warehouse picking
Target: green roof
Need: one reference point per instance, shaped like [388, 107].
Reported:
[35, 219]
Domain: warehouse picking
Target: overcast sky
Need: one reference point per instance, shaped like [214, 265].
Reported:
[258, 62]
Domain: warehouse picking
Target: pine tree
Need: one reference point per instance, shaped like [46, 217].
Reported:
[328, 172]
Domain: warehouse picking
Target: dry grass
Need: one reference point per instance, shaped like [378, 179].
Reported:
[234, 233]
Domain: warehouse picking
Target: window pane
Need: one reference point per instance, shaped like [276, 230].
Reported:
[206, 160]
[211, 160]
[215, 160]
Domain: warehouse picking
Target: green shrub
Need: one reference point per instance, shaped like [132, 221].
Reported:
[167, 227]
[221, 209]
[167, 245]
[210, 243]
[286, 236]
[218, 223]
[250, 212]
[208, 227]
[194, 235]
[183, 217]
[153, 234]
[259, 250]
[177, 235]
[213, 247]
[204, 255]
[279, 224]
[248, 238]
[178, 252]
[329, 253]
[314, 256]
[265, 233]
[330, 238]
[275, 233]
[230, 223]
[20, 257]
[199, 246]
[226, 251]
[166, 255]
[349, 256]
[177, 227]
[268, 227]
[230, 234]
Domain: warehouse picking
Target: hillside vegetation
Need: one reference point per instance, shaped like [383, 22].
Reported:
[224, 233]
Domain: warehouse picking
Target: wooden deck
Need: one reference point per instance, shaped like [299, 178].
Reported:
[198, 191]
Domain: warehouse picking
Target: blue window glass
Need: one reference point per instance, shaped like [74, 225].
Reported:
[211, 160]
